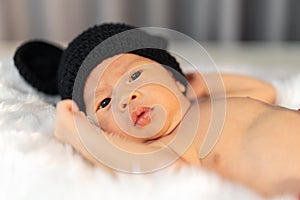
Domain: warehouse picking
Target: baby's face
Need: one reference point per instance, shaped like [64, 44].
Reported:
[134, 97]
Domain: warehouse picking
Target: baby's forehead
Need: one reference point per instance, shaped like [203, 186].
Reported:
[119, 65]
[115, 67]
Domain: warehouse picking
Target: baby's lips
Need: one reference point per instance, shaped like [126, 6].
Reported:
[141, 116]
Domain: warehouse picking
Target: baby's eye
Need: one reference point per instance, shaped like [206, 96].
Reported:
[135, 75]
[104, 102]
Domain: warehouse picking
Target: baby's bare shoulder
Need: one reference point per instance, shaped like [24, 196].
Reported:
[237, 114]
[234, 104]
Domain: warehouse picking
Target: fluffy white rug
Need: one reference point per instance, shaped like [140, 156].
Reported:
[33, 165]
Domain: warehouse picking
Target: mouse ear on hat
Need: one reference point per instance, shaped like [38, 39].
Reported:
[38, 62]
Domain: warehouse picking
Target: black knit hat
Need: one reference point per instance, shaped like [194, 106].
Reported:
[83, 54]
[37, 62]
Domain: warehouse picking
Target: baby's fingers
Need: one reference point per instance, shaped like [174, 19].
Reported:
[65, 122]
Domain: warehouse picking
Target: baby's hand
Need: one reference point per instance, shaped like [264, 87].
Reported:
[68, 122]
[65, 127]
[72, 127]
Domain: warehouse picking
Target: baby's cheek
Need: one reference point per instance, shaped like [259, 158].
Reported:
[107, 123]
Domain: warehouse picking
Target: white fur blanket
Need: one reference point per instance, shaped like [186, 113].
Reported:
[33, 165]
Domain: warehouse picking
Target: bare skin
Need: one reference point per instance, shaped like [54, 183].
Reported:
[259, 149]
[258, 145]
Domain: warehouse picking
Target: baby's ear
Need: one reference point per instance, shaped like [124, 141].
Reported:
[180, 86]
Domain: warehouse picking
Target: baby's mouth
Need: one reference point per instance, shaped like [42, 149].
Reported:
[141, 116]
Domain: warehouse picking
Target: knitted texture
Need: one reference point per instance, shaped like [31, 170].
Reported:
[54, 71]
[37, 62]
[109, 41]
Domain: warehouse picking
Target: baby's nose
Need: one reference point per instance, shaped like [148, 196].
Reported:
[127, 100]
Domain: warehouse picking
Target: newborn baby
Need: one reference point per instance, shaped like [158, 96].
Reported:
[139, 101]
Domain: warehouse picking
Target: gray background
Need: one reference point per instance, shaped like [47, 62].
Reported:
[203, 20]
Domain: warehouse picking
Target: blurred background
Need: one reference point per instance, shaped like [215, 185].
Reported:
[203, 20]
[238, 34]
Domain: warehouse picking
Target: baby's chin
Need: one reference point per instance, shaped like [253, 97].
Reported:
[127, 137]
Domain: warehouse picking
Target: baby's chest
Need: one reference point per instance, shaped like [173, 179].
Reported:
[230, 156]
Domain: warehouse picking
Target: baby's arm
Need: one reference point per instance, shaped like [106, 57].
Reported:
[70, 121]
[235, 86]
[65, 131]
